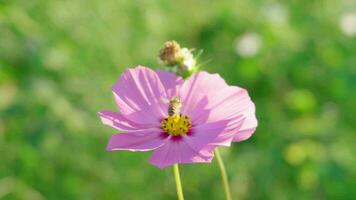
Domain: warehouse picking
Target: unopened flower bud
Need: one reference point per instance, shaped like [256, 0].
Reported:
[178, 60]
[171, 53]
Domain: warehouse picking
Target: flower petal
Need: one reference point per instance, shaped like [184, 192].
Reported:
[139, 93]
[238, 103]
[207, 98]
[171, 82]
[223, 104]
[178, 151]
[197, 88]
[196, 147]
[214, 133]
[143, 140]
[248, 127]
[243, 135]
[118, 121]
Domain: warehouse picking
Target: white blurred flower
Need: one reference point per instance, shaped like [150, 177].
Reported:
[348, 24]
[188, 59]
[248, 44]
[276, 13]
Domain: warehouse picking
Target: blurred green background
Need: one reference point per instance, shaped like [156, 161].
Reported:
[58, 60]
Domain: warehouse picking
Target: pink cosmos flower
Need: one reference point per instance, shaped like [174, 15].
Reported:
[181, 121]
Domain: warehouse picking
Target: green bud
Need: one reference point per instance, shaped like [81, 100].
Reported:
[171, 53]
[177, 59]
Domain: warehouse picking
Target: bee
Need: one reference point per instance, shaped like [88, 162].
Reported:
[174, 106]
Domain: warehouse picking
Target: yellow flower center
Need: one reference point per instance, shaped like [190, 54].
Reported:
[176, 125]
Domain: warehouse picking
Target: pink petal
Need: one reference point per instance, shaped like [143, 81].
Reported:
[243, 135]
[143, 140]
[227, 137]
[195, 91]
[118, 121]
[207, 98]
[196, 147]
[226, 103]
[248, 127]
[214, 133]
[171, 82]
[234, 101]
[239, 103]
[204, 134]
[178, 151]
[139, 93]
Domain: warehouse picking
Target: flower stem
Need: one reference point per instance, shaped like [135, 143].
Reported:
[178, 182]
[223, 174]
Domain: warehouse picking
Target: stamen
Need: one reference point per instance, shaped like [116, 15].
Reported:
[176, 125]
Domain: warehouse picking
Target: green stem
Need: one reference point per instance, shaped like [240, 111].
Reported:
[223, 174]
[178, 182]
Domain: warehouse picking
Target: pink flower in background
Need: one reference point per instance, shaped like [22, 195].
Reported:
[181, 121]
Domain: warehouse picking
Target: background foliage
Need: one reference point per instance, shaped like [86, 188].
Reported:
[58, 60]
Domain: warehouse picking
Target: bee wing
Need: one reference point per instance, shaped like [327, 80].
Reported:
[165, 100]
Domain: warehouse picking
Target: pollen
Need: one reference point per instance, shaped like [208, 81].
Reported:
[176, 125]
